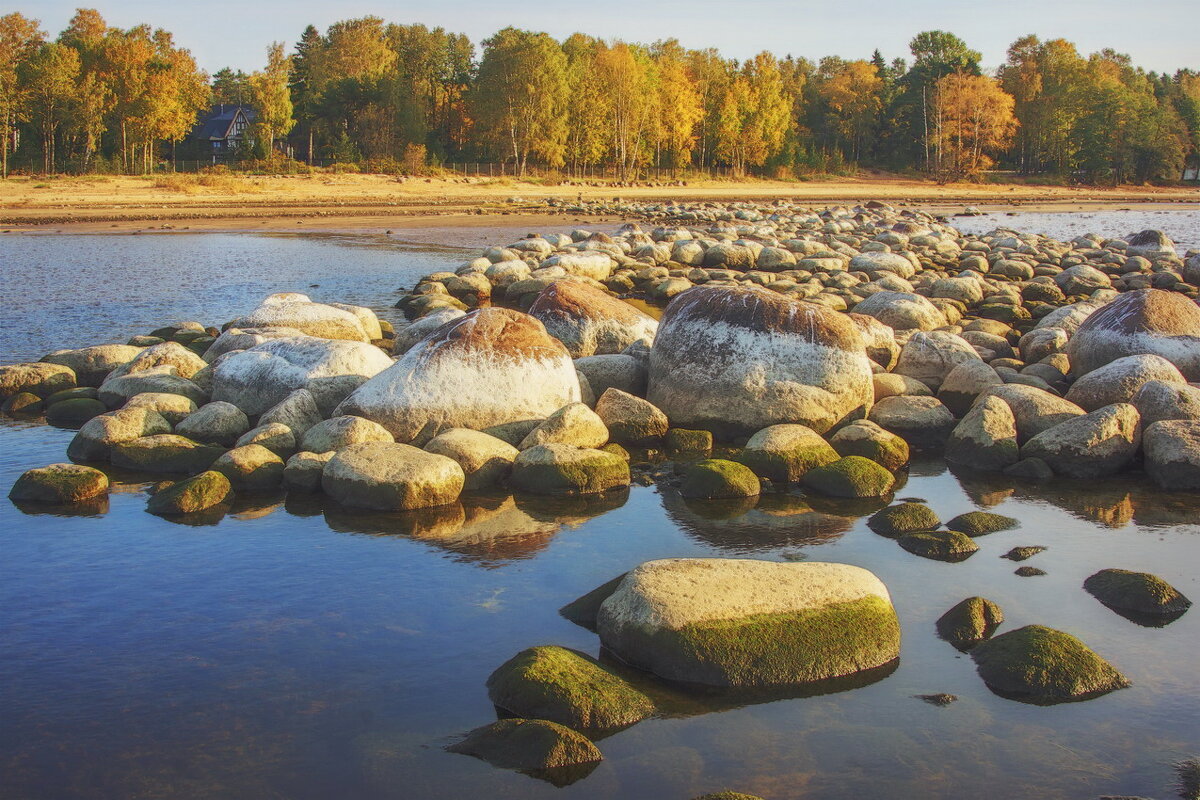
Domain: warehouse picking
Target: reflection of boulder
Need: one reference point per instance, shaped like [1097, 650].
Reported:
[1106, 501]
[91, 507]
[1153, 507]
[494, 531]
[255, 506]
[986, 489]
[755, 524]
[420, 523]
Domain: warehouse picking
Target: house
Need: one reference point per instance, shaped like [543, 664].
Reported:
[222, 131]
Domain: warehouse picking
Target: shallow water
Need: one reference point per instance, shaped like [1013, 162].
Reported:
[291, 649]
[1183, 226]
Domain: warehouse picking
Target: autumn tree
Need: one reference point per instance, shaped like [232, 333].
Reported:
[973, 120]
[587, 111]
[852, 95]
[270, 97]
[20, 38]
[755, 115]
[86, 34]
[625, 74]
[51, 75]
[679, 108]
[520, 96]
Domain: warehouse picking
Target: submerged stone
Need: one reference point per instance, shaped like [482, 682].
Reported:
[528, 744]
[939, 545]
[1139, 592]
[980, 523]
[1042, 665]
[969, 622]
[903, 518]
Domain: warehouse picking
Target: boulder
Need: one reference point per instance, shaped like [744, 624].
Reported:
[630, 419]
[530, 745]
[889, 384]
[923, 422]
[74, 412]
[1119, 380]
[939, 545]
[718, 479]
[409, 335]
[588, 320]
[1136, 592]
[487, 368]
[574, 424]
[1145, 321]
[616, 371]
[1082, 279]
[1150, 244]
[174, 408]
[964, 384]
[981, 523]
[930, 357]
[783, 453]
[986, 438]
[1042, 665]
[485, 460]
[232, 339]
[905, 518]
[216, 423]
[850, 476]
[1097, 444]
[40, 379]
[882, 261]
[303, 471]
[735, 360]
[298, 411]
[1034, 410]
[95, 440]
[92, 365]
[387, 476]
[879, 339]
[291, 310]
[567, 687]
[59, 484]
[115, 391]
[251, 468]
[746, 623]
[1159, 400]
[164, 453]
[902, 311]
[275, 436]
[970, 622]
[1172, 454]
[865, 438]
[168, 354]
[264, 376]
[341, 432]
[191, 495]
[562, 469]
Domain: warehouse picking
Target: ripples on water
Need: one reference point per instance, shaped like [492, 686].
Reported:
[293, 649]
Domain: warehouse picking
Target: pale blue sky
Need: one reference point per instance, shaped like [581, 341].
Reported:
[1158, 34]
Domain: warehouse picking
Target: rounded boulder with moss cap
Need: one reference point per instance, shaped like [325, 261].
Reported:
[487, 368]
[251, 468]
[74, 412]
[851, 476]
[939, 545]
[902, 519]
[735, 360]
[981, 523]
[566, 687]
[783, 453]
[1041, 665]
[969, 622]
[865, 438]
[1137, 592]
[165, 453]
[386, 476]
[563, 469]
[719, 479]
[192, 495]
[59, 484]
[531, 745]
[747, 623]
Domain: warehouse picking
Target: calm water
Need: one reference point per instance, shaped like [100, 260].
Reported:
[292, 650]
[1183, 226]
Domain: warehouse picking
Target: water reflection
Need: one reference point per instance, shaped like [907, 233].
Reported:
[758, 524]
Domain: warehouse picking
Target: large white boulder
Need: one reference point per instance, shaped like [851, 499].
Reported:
[292, 310]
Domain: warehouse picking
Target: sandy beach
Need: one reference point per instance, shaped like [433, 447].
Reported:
[375, 203]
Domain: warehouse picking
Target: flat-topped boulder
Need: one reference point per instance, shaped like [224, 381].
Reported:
[747, 623]
[1091, 446]
[92, 365]
[264, 376]
[293, 310]
[387, 476]
[487, 368]
[1145, 321]
[588, 320]
[59, 484]
[735, 360]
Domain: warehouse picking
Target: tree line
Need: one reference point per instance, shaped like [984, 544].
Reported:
[388, 97]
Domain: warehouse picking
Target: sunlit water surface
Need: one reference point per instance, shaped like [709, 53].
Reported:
[295, 650]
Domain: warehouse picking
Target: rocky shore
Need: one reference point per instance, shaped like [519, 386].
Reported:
[771, 348]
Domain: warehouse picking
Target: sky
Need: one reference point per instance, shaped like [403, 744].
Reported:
[1160, 35]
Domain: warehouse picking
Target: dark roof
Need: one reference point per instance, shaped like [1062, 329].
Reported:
[217, 122]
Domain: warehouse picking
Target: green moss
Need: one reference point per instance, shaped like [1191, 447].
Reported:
[904, 518]
[970, 621]
[72, 413]
[851, 476]
[616, 450]
[199, 493]
[566, 687]
[528, 744]
[788, 465]
[1022, 553]
[980, 523]
[777, 649]
[80, 392]
[939, 545]
[682, 440]
[717, 478]
[890, 452]
[583, 610]
[1136, 591]
[1044, 665]
[60, 484]
[597, 472]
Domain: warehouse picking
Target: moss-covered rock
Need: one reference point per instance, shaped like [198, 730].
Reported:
[583, 610]
[904, 518]
[78, 393]
[73, 412]
[746, 623]
[682, 440]
[1042, 665]
[165, 453]
[99, 435]
[192, 495]
[251, 468]
[22, 404]
[1139, 592]
[970, 622]
[719, 479]
[783, 453]
[851, 476]
[865, 438]
[563, 469]
[59, 484]
[566, 687]
[939, 545]
[980, 523]
[1022, 553]
[532, 745]
[1028, 572]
